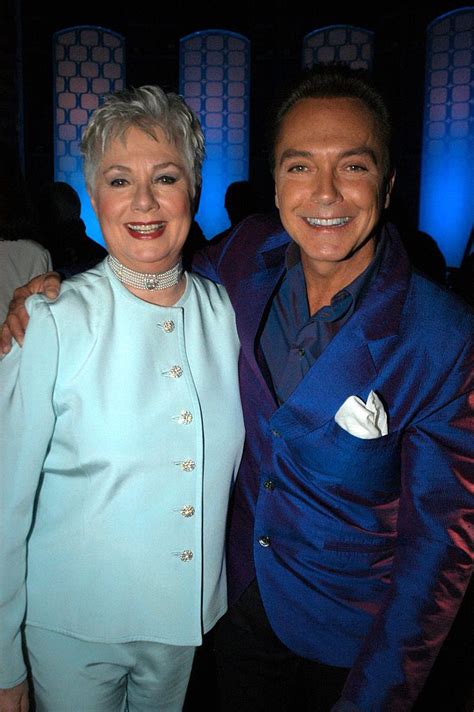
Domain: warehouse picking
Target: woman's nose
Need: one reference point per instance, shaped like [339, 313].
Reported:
[144, 198]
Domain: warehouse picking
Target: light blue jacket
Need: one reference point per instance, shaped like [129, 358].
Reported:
[121, 432]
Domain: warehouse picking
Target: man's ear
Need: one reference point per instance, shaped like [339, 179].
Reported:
[388, 186]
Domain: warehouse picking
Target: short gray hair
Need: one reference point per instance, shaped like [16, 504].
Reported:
[145, 108]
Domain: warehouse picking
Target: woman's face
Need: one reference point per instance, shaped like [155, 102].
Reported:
[142, 198]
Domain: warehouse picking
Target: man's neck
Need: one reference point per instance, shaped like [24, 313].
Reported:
[325, 280]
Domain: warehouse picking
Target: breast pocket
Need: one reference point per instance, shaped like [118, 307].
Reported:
[333, 456]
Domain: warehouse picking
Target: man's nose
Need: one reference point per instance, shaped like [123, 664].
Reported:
[325, 189]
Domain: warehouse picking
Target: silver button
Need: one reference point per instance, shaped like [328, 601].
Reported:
[276, 433]
[186, 465]
[264, 541]
[184, 418]
[187, 511]
[269, 485]
[186, 555]
[173, 372]
[168, 326]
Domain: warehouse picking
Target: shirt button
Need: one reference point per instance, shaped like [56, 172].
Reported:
[187, 511]
[185, 417]
[269, 485]
[168, 326]
[186, 555]
[301, 352]
[276, 433]
[173, 372]
[264, 541]
[186, 465]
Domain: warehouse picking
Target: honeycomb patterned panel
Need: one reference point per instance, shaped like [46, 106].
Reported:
[215, 81]
[88, 63]
[339, 43]
[449, 69]
[447, 177]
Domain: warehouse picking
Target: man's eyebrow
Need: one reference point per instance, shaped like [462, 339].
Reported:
[294, 153]
[356, 151]
[360, 151]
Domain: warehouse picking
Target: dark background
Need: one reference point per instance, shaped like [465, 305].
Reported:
[276, 31]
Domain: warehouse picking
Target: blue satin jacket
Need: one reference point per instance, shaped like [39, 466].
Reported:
[362, 548]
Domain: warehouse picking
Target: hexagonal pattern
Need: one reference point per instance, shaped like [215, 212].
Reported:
[339, 43]
[88, 63]
[447, 175]
[214, 80]
[449, 73]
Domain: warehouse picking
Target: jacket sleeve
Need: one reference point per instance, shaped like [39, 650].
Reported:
[227, 253]
[434, 552]
[205, 261]
[27, 378]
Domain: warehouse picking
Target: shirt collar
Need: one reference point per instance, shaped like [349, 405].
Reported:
[355, 289]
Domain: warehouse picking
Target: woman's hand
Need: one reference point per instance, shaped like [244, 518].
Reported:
[17, 317]
[15, 699]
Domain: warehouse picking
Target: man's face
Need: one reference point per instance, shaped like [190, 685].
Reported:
[329, 181]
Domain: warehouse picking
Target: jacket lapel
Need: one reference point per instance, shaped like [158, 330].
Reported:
[355, 356]
[253, 298]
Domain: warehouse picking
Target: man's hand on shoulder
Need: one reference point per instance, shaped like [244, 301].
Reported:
[16, 322]
[15, 699]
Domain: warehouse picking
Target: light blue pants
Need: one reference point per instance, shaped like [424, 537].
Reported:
[71, 675]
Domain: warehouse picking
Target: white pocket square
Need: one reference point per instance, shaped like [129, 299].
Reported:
[363, 420]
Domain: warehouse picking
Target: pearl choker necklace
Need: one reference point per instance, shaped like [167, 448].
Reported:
[151, 281]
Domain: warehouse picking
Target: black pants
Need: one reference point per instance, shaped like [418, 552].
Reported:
[258, 673]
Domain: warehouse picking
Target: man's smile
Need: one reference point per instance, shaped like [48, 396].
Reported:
[327, 222]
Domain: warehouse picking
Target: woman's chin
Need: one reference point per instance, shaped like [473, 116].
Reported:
[151, 263]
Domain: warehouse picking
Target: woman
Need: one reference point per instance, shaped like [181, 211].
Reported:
[120, 440]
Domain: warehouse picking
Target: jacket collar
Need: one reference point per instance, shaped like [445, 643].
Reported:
[387, 289]
[355, 356]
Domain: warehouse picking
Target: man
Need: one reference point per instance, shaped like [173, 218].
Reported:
[349, 544]
[358, 548]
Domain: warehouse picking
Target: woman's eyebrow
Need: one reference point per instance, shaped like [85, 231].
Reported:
[160, 166]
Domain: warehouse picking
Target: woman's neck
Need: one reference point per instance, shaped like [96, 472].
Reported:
[163, 297]
[161, 288]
